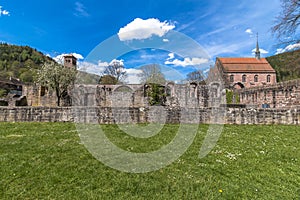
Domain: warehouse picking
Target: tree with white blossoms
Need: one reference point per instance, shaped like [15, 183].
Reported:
[57, 77]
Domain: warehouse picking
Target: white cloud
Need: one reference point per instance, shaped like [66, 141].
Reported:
[105, 64]
[140, 29]
[249, 31]
[165, 40]
[187, 62]
[102, 64]
[171, 56]
[90, 68]
[290, 47]
[262, 51]
[80, 10]
[133, 76]
[3, 12]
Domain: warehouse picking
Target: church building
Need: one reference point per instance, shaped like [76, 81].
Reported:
[246, 72]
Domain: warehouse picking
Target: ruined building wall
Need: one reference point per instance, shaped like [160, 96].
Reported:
[280, 95]
[191, 95]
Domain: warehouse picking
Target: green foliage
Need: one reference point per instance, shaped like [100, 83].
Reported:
[3, 92]
[156, 94]
[48, 161]
[57, 77]
[20, 62]
[287, 65]
[108, 80]
[230, 95]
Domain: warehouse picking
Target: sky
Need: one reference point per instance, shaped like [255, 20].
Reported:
[179, 35]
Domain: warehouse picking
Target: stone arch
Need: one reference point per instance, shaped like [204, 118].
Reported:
[193, 88]
[170, 89]
[214, 88]
[238, 85]
[123, 88]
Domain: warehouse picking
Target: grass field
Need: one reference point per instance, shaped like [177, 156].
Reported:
[48, 161]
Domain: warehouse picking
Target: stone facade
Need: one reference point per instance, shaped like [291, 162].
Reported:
[280, 95]
[109, 115]
[245, 72]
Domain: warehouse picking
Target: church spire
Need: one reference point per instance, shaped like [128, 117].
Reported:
[257, 52]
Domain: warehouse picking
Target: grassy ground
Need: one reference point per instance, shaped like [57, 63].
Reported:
[47, 161]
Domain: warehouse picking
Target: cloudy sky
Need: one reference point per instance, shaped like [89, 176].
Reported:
[177, 34]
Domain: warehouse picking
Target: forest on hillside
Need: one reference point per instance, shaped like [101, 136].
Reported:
[20, 62]
[286, 65]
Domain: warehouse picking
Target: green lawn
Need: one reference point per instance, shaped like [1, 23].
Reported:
[48, 161]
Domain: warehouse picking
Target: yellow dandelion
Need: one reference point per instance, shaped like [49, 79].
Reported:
[220, 190]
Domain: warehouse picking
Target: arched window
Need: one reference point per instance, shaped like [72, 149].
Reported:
[244, 78]
[256, 78]
[231, 78]
[269, 78]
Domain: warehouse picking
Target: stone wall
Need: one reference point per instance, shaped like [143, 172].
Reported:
[110, 115]
[280, 95]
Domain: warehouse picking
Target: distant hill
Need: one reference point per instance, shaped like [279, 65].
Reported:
[287, 65]
[22, 62]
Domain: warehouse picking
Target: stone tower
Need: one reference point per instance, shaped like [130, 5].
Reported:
[70, 61]
[257, 52]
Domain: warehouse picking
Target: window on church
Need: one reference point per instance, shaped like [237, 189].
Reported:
[269, 78]
[256, 78]
[244, 78]
[231, 78]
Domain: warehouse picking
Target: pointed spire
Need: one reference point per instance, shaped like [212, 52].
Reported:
[257, 52]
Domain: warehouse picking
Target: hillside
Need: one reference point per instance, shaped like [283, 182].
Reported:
[20, 62]
[287, 65]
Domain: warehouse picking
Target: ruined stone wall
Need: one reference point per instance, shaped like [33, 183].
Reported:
[110, 115]
[280, 95]
[190, 95]
[39, 96]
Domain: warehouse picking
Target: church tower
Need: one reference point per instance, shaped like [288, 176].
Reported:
[257, 52]
[70, 61]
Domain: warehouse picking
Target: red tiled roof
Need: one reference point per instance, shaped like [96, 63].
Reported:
[246, 65]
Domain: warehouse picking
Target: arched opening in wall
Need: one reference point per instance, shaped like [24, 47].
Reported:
[256, 78]
[123, 88]
[193, 89]
[238, 85]
[231, 78]
[170, 89]
[269, 78]
[244, 78]
[43, 91]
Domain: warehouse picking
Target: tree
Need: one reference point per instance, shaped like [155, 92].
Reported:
[195, 76]
[57, 77]
[108, 80]
[152, 74]
[288, 21]
[116, 69]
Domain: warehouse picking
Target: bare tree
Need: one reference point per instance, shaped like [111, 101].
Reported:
[195, 76]
[152, 74]
[116, 69]
[288, 21]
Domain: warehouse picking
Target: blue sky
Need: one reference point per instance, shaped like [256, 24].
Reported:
[220, 28]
